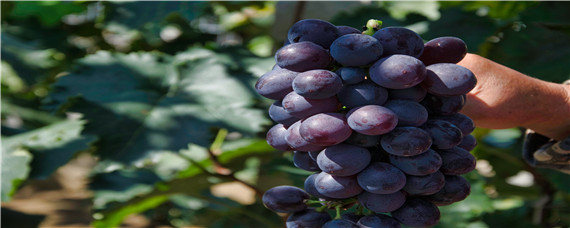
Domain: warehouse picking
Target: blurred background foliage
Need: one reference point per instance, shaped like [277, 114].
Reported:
[160, 96]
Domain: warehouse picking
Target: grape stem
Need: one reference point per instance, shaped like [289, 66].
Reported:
[372, 26]
[337, 209]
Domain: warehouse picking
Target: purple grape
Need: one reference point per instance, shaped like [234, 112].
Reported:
[303, 56]
[363, 140]
[297, 142]
[351, 75]
[307, 218]
[337, 187]
[448, 79]
[417, 212]
[325, 129]
[365, 93]
[353, 217]
[302, 160]
[444, 135]
[382, 203]
[410, 113]
[301, 107]
[424, 185]
[372, 120]
[468, 143]
[461, 121]
[456, 189]
[317, 84]
[443, 50]
[276, 137]
[343, 159]
[275, 84]
[340, 223]
[440, 105]
[314, 154]
[415, 93]
[356, 50]
[317, 31]
[343, 30]
[310, 188]
[398, 40]
[378, 221]
[285, 199]
[278, 114]
[381, 178]
[421, 164]
[456, 161]
[398, 72]
[406, 141]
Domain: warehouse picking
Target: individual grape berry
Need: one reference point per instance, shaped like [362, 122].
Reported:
[275, 84]
[361, 94]
[317, 31]
[417, 212]
[398, 40]
[440, 105]
[363, 140]
[297, 142]
[421, 164]
[415, 93]
[303, 56]
[302, 160]
[278, 114]
[340, 223]
[424, 185]
[444, 134]
[381, 178]
[353, 217]
[343, 30]
[468, 143]
[406, 141]
[461, 121]
[398, 72]
[356, 50]
[276, 137]
[456, 188]
[448, 79]
[314, 154]
[301, 107]
[325, 129]
[456, 161]
[285, 199]
[410, 113]
[351, 75]
[443, 50]
[309, 186]
[343, 159]
[372, 120]
[307, 218]
[337, 187]
[378, 221]
[317, 84]
[382, 203]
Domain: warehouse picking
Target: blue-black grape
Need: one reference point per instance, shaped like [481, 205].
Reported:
[382, 203]
[398, 72]
[343, 30]
[303, 56]
[301, 107]
[424, 185]
[410, 113]
[417, 212]
[378, 221]
[297, 142]
[340, 223]
[309, 186]
[443, 50]
[351, 216]
[317, 84]
[443, 105]
[302, 160]
[468, 142]
[461, 121]
[337, 187]
[363, 140]
[456, 188]
[325, 129]
[356, 50]
[314, 154]
[456, 161]
[421, 164]
[448, 79]
[444, 134]
[276, 137]
[307, 218]
[352, 75]
[381, 178]
[278, 114]
[406, 141]
[285, 199]
[317, 31]
[365, 93]
[372, 120]
[415, 93]
[275, 84]
[343, 159]
[398, 40]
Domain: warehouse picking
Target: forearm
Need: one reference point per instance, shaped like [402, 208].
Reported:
[505, 98]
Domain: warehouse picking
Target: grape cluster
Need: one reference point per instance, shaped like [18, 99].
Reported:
[375, 115]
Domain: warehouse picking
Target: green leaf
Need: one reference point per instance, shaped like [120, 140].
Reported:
[49, 13]
[15, 169]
